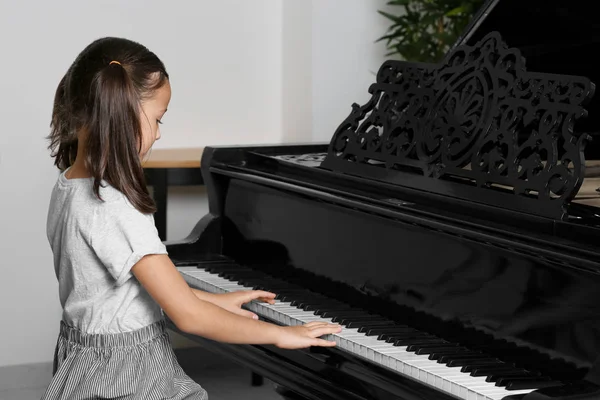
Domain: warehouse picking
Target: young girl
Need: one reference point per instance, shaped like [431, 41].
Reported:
[115, 278]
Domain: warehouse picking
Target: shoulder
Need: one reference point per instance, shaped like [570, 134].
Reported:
[121, 235]
[115, 212]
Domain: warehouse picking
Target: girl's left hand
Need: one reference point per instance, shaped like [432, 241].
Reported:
[233, 301]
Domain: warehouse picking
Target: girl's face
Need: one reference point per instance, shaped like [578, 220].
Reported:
[151, 113]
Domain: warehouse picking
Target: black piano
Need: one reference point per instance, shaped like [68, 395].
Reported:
[441, 226]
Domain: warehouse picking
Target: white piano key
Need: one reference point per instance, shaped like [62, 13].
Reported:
[396, 358]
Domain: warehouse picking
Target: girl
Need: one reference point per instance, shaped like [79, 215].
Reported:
[115, 278]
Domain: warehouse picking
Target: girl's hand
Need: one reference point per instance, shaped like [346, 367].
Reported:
[301, 336]
[233, 301]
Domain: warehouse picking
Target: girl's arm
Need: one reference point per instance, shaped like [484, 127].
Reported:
[234, 301]
[190, 314]
[202, 295]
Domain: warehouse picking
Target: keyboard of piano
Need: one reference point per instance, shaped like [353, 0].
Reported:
[437, 362]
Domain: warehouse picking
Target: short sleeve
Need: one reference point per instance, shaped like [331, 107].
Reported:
[121, 236]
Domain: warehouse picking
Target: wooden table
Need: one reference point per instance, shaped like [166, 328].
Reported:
[171, 167]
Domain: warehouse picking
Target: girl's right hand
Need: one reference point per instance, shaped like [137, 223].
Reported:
[302, 336]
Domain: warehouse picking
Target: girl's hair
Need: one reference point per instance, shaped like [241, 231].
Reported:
[102, 99]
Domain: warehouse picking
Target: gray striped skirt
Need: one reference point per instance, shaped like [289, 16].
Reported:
[137, 365]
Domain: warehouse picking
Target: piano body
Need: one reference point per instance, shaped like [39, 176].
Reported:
[443, 226]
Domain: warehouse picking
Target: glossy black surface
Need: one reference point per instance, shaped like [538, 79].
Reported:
[554, 36]
[544, 304]
[435, 272]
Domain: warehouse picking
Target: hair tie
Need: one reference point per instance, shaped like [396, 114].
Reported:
[114, 62]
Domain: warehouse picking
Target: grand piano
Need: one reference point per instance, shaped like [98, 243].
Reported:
[450, 225]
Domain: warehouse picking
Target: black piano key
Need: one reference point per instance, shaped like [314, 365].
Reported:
[517, 374]
[266, 288]
[488, 360]
[503, 375]
[309, 300]
[406, 342]
[473, 355]
[361, 319]
[285, 297]
[525, 384]
[389, 329]
[326, 306]
[216, 268]
[473, 365]
[292, 288]
[461, 359]
[392, 337]
[382, 321]
[270, 287]
[258, 278]
[366, 329]
[485, 370]
[303, 300]
[329, 311]
[308, 305]
[242, 273]
[369, 323]
[531, 379]
[494, 363]
[318, 299]
[345, 314]
[231, 276]
[226, 267]
[414, 347]
[498, 347]
[438, 350]
[295, 291]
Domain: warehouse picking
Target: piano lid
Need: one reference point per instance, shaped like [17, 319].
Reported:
[554, 36]
[481, 126]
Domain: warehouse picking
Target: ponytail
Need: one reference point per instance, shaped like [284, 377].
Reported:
[114, 137]
[101, 98]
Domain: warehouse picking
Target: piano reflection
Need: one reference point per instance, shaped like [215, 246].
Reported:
[450, 225]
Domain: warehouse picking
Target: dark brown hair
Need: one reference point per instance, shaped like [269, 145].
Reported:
[102, 99]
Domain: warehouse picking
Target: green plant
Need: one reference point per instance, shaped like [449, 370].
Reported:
[427, 28]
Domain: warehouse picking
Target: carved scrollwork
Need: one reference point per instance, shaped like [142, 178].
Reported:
[309, 160]
[477, 120]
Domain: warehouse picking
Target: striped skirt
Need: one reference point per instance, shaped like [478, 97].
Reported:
[138, 365]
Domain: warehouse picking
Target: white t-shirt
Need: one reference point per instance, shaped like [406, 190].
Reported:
[95, 243]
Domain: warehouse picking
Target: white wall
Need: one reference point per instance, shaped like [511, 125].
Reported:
[345, 58]
[296, 99]
[260, 71]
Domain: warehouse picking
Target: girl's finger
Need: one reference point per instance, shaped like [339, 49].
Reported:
[318, 324]
[257, 294]
[246, 313]
[322, 343]
[324, 330]
[315, 323]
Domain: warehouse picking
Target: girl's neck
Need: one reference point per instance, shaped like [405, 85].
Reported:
[77, 170]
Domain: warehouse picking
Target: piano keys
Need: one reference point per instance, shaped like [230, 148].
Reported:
[449, 226]
[444, 365]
